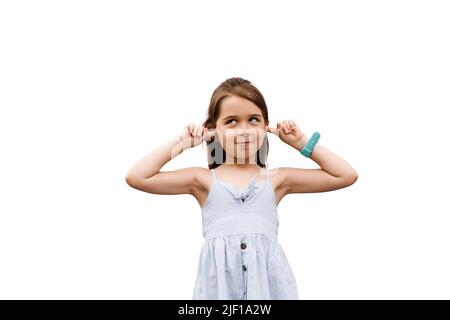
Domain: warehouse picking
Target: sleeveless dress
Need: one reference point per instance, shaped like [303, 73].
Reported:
[241, 257]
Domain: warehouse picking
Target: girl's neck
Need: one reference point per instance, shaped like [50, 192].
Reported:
[243, 166]
[241, 163]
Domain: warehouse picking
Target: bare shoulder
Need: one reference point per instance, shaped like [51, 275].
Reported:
[202, 180]
[277, 178]
[202, 185]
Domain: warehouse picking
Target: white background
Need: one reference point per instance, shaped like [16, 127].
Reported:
[87, 88]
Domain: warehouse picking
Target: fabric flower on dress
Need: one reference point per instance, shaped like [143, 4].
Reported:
[242, 195]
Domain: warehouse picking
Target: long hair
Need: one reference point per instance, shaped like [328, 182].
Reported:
[244, 89]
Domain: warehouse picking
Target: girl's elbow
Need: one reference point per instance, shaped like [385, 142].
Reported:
[131, 181]
[352, 178]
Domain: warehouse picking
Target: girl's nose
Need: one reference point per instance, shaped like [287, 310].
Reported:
[243, 128]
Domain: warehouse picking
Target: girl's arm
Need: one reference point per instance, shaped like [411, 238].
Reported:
[334, 173]
[146, 176]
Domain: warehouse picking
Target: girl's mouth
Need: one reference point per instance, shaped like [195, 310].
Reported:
[244, 141]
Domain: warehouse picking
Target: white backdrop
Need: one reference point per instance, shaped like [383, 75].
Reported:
[90, 87]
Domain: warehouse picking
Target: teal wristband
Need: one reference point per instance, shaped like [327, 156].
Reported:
[308, 148]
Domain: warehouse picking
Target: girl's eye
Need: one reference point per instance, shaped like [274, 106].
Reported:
[235, 120]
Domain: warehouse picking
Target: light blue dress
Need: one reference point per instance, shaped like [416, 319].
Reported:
[241, 257]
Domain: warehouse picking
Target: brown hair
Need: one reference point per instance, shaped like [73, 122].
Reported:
[244, 89]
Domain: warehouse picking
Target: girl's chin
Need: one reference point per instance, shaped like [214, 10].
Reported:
[243, 143]
[245, 156]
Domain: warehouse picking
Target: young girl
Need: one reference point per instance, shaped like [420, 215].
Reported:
[238, 195]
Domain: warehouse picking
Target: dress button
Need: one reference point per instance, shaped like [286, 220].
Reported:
[243, 245]
[244, 267]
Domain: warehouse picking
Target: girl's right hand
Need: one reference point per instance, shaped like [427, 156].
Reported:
[193, 135]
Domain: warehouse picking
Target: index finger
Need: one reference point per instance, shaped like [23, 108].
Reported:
[272, 130]
[209, 133]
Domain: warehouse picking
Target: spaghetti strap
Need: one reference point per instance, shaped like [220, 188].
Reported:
[267, 172]
[213, 173]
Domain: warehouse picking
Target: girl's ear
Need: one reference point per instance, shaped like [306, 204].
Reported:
[210, 134]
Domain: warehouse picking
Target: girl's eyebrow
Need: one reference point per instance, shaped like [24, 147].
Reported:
[235, 116]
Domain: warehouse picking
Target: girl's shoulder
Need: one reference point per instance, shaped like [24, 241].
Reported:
[277, 177]
[203, 178]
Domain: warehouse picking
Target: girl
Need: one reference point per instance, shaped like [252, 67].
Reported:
[238, 195]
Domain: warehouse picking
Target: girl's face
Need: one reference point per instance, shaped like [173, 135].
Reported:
[240, 129]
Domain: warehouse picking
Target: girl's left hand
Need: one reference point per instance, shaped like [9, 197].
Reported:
[289, 133]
